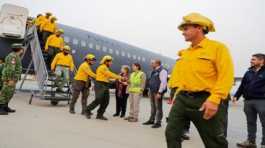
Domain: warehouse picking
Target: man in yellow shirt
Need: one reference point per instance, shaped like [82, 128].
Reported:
[204, 79]
[82, 82]
[39, 21]
[103, 76]
[62, 64]
[48, 27]
[54, 45]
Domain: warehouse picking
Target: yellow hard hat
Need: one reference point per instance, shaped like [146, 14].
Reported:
[105, 58]
[90, 56]
[66, 47]
[196, 18]
[60, 31]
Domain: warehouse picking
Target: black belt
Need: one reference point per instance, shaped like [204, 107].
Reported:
[103, 83]
[194, 94]
[63, 65]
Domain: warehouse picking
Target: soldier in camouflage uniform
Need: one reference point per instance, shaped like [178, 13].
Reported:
[1, 69]
[10, 75]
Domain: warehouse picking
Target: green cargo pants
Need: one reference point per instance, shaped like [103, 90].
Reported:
[102, 98]
[6, 93]
[185, 108]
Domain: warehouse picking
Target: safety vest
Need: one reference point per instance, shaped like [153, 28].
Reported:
[135, 82]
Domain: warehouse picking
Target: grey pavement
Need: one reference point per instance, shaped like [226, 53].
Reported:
[41, 125]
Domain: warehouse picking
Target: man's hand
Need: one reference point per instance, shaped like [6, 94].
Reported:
[209, 108]
[158, 96]
[234, 99]
[11, 82]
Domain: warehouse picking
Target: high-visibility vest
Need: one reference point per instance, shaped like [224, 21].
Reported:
[135, 82]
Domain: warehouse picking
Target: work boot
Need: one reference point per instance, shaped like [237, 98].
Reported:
[122, 115]
[10, 110]
[247, 144]
[3, 110]
[115, 115]
[128, 118]
[88, 114]
[133, 120]
[101, 117]
[83, 112]
[185, 136]
[72, 108]
[156, 125]
[72, 111]
[149, 122]
[84, 105]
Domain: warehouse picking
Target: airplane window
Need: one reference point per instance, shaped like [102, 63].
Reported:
[139, 58]
[117, 52]
[104, 49]
[83, 43]
[110, 51]
[66, 39]
[90, 45]
[75, 41]
[134, 56]
[123, 53]
[143, 59]
[129, 56]
[97, 47]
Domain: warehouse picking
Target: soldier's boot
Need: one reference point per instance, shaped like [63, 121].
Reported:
[2, 110]
[9, 110]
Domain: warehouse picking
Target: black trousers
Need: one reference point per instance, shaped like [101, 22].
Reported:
[121, 103]
[102, 98]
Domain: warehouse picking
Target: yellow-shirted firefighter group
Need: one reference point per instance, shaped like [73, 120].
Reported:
[200, 80]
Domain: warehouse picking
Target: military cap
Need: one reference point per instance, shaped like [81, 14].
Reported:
[16, 46]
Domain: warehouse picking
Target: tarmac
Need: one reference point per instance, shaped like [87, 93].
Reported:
[41, 125]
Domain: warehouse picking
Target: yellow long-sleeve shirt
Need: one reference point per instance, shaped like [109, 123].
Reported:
[84, 72]
[47, 25]
[64, 60]
[54, 41]
[173, 80]
[205, 67]
[103, 74]
[39, 20]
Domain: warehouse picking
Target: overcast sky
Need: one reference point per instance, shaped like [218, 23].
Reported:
[152, 24]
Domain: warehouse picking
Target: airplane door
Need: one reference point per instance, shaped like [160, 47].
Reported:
[13, 21]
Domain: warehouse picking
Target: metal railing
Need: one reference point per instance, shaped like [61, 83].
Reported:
[38, 60]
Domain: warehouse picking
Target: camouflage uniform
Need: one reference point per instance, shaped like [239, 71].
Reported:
[11, 72]
[1, 69]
